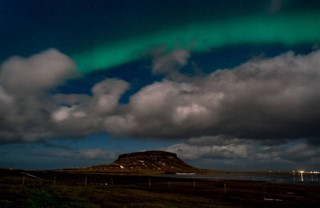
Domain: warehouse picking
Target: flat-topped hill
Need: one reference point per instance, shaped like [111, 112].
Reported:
[149, 161]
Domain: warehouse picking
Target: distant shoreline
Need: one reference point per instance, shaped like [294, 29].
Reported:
[197, 171]
[266, 176]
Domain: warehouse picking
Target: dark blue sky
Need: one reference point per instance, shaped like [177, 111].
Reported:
[244, 104]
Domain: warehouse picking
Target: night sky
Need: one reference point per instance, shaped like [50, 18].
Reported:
[229, 85]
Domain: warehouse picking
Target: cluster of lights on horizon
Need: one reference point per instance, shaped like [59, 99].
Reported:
[305, 172]
[301, 174]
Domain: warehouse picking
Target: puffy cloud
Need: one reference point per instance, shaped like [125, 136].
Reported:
[85, 114]
[169, 64]
[274, 98]
[25, 102]
[182, 113]
[64, 113]
[29, 76]
[271, 100]
[106, 95]
[30, 112]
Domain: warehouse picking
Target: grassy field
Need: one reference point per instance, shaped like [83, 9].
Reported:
[71, 189]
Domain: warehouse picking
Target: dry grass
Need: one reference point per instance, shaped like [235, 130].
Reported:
[66, 190]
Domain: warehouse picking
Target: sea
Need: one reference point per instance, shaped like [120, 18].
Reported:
[296, 178]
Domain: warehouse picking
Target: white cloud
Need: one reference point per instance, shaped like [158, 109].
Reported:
[169, 64]
[182, 113]
[106, 95]
[64, 113]
[270, 100]
[28, 76]
[29, 112]
[170, 61]
[273, 98]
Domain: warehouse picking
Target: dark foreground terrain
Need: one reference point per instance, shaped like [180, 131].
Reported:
[83, 189]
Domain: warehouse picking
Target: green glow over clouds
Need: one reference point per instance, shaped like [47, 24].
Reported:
[287, 29]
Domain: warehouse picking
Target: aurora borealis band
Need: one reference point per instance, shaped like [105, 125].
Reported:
[201, 36]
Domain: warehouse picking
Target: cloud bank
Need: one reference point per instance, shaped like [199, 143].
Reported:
[270, 99]
[86, 154]
[263, 99]
[241, 154]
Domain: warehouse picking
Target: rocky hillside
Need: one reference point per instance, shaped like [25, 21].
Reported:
[149, 161]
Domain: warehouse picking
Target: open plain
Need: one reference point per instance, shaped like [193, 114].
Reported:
[69, 188]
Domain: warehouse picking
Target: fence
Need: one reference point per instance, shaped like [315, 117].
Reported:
[262, 190]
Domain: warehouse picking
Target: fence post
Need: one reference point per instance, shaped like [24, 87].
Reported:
[169, 184]
[54, 180]
[225, 188]
[194, 185]
[23, 180]
[85, 180]
[111, 181]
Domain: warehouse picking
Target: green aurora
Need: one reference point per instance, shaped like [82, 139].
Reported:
[288, 29]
